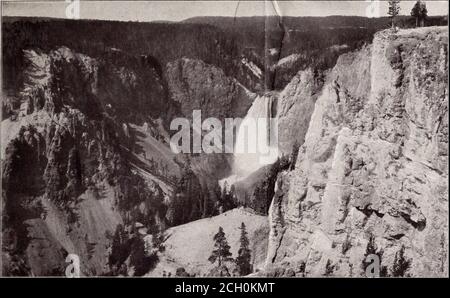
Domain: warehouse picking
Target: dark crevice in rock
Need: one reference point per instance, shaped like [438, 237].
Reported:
[369, 211]
[418, 225]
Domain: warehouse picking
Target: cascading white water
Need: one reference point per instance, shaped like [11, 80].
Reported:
[256, 140]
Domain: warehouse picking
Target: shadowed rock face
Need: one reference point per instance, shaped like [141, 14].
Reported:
[195, 85]
[66, 180]
[373, 166]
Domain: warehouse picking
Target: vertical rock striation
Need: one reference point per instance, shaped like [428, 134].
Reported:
[372, 172]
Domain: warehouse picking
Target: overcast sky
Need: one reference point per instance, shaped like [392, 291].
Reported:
[180, 10]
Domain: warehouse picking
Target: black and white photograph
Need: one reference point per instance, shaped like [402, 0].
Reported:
[224, 139]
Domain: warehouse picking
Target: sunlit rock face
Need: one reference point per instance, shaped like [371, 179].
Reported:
[295, 106]
[373, 166]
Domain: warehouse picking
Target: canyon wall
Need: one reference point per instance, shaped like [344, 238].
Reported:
[85, 152]
[371, 175]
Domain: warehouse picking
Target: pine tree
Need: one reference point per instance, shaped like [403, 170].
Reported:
[244, 253]
[119, 247]
[139, 259]
[401, 264]
[394, 9]
[419, 12]
[221, 253]
[423, 14]
[329, 268]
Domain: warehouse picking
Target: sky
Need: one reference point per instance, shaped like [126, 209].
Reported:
[179, 10]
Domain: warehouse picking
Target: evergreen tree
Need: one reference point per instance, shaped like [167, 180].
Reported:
[259, 198]
[227, 198]
[401, 264]
[419, 12]
[189, 196]
[244, 253]
[232, 194]
[139, 259]
[225, 190]
[394, 10]
[119, 248]
[221, 253]
[329, 268]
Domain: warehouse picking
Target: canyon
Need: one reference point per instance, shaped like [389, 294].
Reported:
[361, 161]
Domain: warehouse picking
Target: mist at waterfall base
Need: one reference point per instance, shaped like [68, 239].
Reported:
[256, 143]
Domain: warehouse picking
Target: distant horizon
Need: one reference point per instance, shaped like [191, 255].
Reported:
[200, 17]
[179, 11]
[212, 16]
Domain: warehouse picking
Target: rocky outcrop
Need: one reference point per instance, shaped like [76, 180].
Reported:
[85, 150]
[295, 107]
[292, 107]
[67, 178]
[371, 176]
[196, 85]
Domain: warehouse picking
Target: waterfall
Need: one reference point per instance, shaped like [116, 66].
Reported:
[256, 143]
[256, 139]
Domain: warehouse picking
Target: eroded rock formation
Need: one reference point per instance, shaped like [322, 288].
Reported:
[372, 172]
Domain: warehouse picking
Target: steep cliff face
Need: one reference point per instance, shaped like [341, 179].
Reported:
[196, 85]
[292, 107]
[67, 177]
[371, 176]
[295, 107]
[85, 156]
